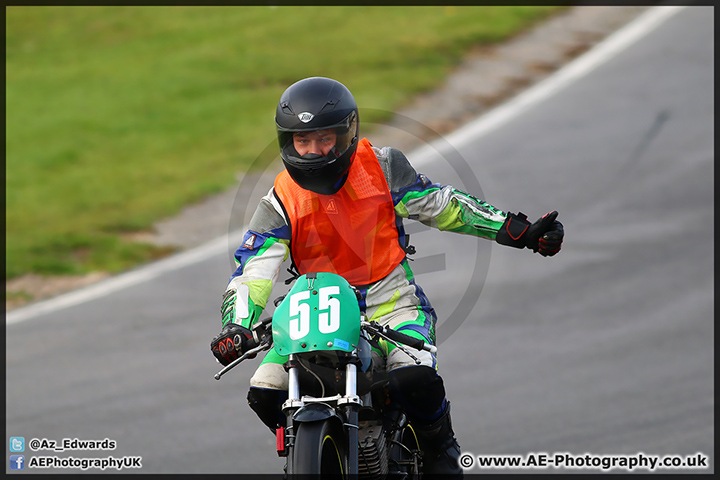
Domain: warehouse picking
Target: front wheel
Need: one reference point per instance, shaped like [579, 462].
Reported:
[319, 449]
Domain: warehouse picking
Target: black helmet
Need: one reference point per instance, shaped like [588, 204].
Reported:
[310, 105]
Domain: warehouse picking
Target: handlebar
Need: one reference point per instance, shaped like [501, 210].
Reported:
[231, 365]
[413, 342]
[263, 341]
[400, 337]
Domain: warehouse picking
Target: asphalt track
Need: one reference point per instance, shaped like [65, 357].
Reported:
[605, 349]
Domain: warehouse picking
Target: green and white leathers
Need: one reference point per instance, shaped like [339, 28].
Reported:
[396, 300]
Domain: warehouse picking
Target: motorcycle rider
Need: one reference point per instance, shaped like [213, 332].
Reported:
[339, 207]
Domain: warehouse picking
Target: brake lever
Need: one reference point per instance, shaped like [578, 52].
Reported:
[234, 363]
[377, 331]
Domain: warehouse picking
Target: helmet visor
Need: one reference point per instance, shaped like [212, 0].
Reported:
[306, 147]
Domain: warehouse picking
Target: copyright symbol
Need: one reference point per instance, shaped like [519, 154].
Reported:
[466, 460]
[34, 444]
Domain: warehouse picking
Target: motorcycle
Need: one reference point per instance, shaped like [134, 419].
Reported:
[339, 417]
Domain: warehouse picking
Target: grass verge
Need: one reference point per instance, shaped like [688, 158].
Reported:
[117, 117]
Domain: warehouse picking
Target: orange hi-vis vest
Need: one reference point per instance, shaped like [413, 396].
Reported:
[352, 232]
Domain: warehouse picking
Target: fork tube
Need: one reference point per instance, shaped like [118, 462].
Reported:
[293, 382]
[350, 380]
[352, 419]
[289, 407]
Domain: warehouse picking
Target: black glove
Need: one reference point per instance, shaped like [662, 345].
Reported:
[551, 241]
[231, 343]
[545, 236]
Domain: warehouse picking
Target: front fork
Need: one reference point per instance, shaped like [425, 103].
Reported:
[285, 437]
[350, 404]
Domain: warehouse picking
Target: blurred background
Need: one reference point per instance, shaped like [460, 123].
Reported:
[117, 117]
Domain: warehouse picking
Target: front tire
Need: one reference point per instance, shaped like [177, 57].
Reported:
[319, 449]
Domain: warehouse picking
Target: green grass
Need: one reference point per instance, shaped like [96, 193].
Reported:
[117, 117]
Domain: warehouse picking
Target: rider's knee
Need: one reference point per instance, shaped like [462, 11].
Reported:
[267, 404]
[419, 390]
[268, 391]
[270, 376]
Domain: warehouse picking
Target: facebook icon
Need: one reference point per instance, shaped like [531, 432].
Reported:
[17, 462]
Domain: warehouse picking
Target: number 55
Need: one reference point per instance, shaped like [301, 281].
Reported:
[328, 322]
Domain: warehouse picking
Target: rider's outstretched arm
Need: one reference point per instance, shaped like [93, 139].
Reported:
[447, 208]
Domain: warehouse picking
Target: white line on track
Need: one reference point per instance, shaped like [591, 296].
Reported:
[602, 52]
[582, 65]
[127, 279]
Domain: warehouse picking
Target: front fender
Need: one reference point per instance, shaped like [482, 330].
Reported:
[313, 412]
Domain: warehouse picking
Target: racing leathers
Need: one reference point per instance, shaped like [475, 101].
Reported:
[394, 299]
[267, 244]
